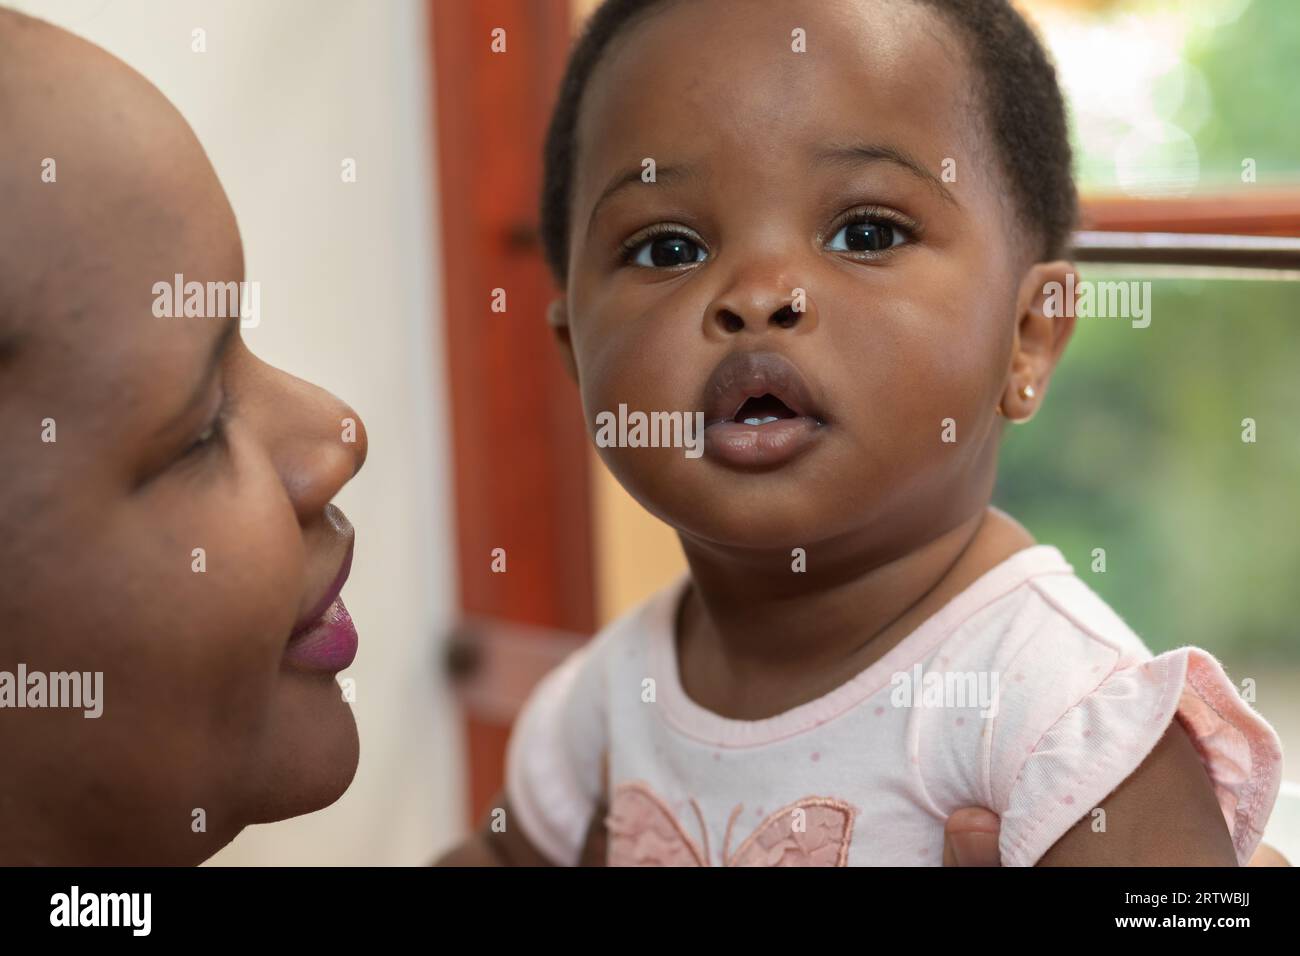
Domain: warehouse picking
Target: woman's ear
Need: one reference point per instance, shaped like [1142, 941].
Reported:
[1044, 324]
[557, 317]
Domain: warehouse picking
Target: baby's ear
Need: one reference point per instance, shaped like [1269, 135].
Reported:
[557, 317]
[1044, 324]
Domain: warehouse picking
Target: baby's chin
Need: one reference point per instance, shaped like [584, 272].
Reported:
[779, 533]
[795, 506]
[776, 519]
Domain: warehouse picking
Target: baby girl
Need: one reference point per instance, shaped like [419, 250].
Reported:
[829, 226]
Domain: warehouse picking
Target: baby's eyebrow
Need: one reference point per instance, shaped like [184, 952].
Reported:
[844, 155]
[849, 155]
[632, 175]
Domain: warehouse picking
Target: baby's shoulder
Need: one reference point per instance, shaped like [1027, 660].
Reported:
[1040, 645]
[1050, 627]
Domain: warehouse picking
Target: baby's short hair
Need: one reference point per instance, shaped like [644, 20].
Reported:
[1016, 83]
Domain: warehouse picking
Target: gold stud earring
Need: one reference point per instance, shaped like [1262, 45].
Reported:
[1026, 392]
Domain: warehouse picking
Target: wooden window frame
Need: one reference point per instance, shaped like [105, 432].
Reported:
[1256, 230]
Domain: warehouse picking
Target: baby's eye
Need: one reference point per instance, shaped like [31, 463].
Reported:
[869, 234]
[664, 251]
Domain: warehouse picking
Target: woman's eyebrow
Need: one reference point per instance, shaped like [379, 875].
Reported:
[215, 354]
[849, 155]
[632, 175]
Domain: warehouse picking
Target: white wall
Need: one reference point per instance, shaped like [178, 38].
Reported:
[351, 300]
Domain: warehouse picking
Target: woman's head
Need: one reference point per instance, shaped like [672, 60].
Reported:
[875, 191]
[177, 529]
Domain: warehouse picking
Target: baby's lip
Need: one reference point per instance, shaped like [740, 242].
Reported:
[744, 375]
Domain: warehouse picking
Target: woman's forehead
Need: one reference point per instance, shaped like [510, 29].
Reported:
[88, 342]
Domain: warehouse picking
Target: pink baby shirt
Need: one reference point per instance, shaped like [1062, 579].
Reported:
[1025, 694]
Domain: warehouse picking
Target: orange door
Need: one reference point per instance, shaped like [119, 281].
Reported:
[521, 481]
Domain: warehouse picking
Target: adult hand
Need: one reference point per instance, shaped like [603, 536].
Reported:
[970, 838]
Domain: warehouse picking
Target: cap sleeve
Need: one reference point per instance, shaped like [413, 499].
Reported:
[1099, 741]
[553, 758]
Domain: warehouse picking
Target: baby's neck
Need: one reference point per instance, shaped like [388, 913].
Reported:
[751, 646]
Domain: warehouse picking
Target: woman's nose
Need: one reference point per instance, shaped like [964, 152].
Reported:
[316, 441]
[332, 454]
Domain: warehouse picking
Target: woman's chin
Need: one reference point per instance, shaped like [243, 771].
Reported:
[313, 768]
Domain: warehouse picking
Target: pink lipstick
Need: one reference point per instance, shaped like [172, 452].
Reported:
[325, 639]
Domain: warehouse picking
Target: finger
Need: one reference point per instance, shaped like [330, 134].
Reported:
[1265, 855]
[594, 847]
[970, 838]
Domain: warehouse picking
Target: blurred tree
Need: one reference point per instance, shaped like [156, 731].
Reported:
[1139, 449]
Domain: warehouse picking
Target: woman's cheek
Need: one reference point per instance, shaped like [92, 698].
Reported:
[230, 567]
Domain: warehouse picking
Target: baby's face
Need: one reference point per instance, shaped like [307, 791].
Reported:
[857, 172]
[203, 707]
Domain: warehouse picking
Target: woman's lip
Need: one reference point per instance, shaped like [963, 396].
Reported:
[328, 598]
[329, 645]
[760, 446]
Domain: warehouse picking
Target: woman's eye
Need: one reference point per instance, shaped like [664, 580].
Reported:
[210, 437]
[869, 235]
[204, 439]
[208, 434]
[666, 251]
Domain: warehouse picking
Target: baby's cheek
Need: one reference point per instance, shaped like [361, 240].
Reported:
[915, 386]
[952, 355]
[645, 374]
[638, 358]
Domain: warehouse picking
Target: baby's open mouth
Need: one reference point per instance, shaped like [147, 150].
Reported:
[763, 410]
[760, 410]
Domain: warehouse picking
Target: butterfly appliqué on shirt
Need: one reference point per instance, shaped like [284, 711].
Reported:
[812, 831]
